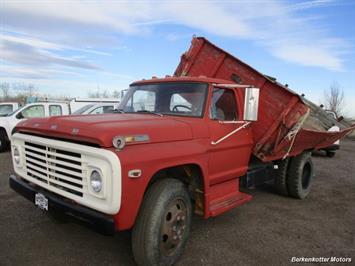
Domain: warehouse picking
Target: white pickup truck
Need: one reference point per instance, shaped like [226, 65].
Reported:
[43, 109]
[8, 107]
[96, 108]
[8, 122]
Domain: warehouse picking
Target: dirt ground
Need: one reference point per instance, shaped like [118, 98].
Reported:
[269, 230]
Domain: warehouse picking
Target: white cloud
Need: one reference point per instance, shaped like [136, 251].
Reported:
[85, 26]
[27, 54]
[305, 54]
[312, 4]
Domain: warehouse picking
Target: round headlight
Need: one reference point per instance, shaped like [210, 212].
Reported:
[16, 153]
[96, 181]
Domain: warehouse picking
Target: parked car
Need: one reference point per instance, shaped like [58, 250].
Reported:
[331, 150]
[8, 107]
[44, 109]
[98, 108]
[78, 103]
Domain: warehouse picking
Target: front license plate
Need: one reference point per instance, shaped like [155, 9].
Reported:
[41, 201]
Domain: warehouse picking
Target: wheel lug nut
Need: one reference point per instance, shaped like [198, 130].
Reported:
[178, 218]
[175, 237]
[174, 228]
[183, 218]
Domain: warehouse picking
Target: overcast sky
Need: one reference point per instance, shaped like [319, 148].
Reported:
[72, 47]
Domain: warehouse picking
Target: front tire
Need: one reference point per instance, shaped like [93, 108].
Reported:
[300, 175]
[163, 224]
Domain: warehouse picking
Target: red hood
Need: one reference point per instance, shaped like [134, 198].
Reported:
[101, 129]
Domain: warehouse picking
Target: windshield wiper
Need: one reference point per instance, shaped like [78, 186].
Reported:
[149, 112]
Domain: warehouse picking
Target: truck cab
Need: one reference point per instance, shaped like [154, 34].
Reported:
[189, 135]
[34, 110]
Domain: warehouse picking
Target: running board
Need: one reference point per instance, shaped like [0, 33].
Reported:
[221, 202]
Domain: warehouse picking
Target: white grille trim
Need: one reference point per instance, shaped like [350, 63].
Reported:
[70, 183]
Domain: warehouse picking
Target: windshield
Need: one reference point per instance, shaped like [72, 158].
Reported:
[181, 99]
[16, 111]
[83, 109]
[5, 109]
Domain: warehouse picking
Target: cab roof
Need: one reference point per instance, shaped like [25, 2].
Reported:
[201, 79]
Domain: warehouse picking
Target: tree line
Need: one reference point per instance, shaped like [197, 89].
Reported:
[19, 91]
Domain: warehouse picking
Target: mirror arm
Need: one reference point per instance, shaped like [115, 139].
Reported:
[230, 134]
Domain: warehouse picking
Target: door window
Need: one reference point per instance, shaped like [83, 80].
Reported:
[55, 110]
[223, 107]
[33, 111]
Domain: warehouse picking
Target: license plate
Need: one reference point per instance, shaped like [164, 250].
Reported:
[41, 201]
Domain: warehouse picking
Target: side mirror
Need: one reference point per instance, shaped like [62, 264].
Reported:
[20, 116]
[251, 104]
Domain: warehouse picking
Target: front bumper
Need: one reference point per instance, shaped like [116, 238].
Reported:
[99, 222]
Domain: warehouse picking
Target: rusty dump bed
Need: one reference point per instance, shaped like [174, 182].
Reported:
[287, 123]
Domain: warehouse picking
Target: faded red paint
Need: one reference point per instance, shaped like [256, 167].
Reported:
[280, 108]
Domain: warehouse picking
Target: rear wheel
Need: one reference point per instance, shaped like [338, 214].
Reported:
[300, 175]
[280, 176]
[163, 224]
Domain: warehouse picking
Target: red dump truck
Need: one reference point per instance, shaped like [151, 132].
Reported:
[176, 145]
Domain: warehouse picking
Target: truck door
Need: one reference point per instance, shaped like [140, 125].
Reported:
[229, 158]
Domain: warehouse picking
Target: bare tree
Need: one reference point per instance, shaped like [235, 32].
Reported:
[5, 90]
[334, 99]
[27, 89]
[99, 94]
[116, 94]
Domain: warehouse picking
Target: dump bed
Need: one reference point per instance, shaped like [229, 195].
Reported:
[287, 123]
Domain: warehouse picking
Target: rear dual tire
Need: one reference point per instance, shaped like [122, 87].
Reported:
[280, 177]
[294, 176]
[300, 176]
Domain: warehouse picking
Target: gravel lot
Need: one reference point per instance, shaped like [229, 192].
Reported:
[269, 230]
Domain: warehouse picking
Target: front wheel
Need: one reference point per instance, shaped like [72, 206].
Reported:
[163, 224]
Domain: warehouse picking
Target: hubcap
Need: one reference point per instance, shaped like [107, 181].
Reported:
[173, 227]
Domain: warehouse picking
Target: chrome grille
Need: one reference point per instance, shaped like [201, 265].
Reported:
[55, 167]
